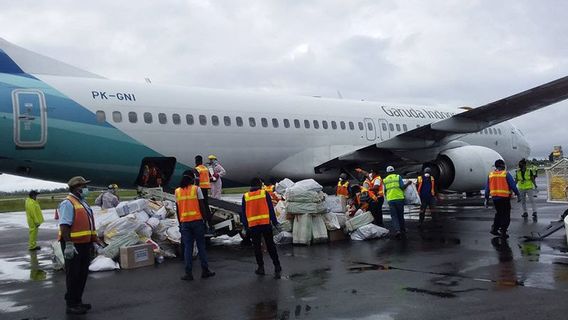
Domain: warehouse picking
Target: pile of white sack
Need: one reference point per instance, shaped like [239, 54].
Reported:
[134, 222]
[307, 215]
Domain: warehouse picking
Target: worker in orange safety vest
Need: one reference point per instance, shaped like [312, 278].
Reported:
[204, 183]
[500, 186]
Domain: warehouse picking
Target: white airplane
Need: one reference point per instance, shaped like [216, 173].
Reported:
[58, 121]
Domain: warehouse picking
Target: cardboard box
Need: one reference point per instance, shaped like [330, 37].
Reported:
[136, 256]
[336, 235]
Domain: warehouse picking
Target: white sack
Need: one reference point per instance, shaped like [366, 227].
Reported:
[102, 263]
[144, 231]
[301, 195]
[302, 232]
[141, 216]
[103, 218]
[113, 248]
[280, 211]
[369, 231]
[160, 213]
[319, 231]
[331, 221]
[411, 196]
[335, 204]
[341, 219]
[173, 234]
[121, 227]
[153, 222]
[305, 208]
[125, 208]
[307, 185]
[286, 225]
[57, 258]
[283, 185]
[358, 221]
[283, 237]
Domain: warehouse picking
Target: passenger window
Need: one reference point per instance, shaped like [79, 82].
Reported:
[252, 122]
[147, 117]
[307, 124]
[404, 128]
[202, 120]
[334, 125]
[133, 117]
[397, 127]
[361, 127]
[391, 127]
[296, 123]
[384, 126]
[342, 125]
[324, 124]
[239, 122]
[176, 118]
[499, 130]
[370, 126]
[275, 122]
[351, 125]
[316, 124]
[189, 119]
[484, 131]
[286, 123]
[264, 122]
[215, 120]
[162, 118]
[117, 116]
[227, 121]
[101, 117]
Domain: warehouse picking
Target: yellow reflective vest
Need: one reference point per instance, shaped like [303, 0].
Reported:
[392, 186]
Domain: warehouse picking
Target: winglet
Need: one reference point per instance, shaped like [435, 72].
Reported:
[15, 60]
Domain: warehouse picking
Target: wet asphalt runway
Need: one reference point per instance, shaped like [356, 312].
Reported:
[452, 270]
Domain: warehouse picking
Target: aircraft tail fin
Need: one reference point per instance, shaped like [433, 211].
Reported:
[17, 60]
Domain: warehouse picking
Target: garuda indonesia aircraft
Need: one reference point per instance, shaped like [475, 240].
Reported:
[58, 121]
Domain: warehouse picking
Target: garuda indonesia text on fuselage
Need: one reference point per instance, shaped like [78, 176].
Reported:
[57, 121]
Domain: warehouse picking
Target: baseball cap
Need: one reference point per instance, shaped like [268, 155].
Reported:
[212, 157]
[33, 193]
[77, 181]
[390, 169]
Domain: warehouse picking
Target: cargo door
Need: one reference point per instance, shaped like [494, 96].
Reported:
[514, 139]
[156, 172]
[30, 118]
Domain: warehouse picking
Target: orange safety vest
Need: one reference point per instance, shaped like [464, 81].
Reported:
[188, 204]
[257, 210]
[432, 190]
[381, 192]
[498, 186]
[342, 189]
[204, 181]
[83, 228]
[270, 190]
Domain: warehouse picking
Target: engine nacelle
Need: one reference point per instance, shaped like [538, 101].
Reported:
[465, 168]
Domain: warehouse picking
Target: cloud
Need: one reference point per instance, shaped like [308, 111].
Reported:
[441, 53]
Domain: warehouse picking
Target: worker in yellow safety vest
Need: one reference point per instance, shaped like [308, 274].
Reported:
[190, 206]
[258, 218]
[34, 218]
[394, 191]
[204, 183]
[426, 187]
[500, 185]
[524, 177]
[77, 234]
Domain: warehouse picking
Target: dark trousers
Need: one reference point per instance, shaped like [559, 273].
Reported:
[425, 202]
[376, 208]
[503, 215]
[190, 232]
[207, 215]
[256, 237]
[76, 272]
[397, 215]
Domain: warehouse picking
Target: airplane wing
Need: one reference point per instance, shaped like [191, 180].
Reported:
[447, 130]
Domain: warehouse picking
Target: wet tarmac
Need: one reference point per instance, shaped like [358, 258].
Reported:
[454, 269]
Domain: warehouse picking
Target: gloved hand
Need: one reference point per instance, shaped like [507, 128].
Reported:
[69, 251]
[485, 204]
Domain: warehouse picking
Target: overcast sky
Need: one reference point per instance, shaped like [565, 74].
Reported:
[450, 53]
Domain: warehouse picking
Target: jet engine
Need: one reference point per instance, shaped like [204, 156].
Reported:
[464, 168]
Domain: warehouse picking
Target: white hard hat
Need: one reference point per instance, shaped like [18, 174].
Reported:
[390, 169]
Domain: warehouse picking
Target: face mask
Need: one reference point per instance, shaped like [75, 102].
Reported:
[85, 192]
[427, 175]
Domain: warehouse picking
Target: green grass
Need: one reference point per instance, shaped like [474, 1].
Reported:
[51, 201]
[237, 190]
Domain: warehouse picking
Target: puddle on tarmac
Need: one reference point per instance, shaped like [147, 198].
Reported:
[364, 266]
[440, 294]
[22, 268]
[8, 306]
[308, 281]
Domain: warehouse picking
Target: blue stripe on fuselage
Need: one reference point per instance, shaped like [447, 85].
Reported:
[7, 65]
